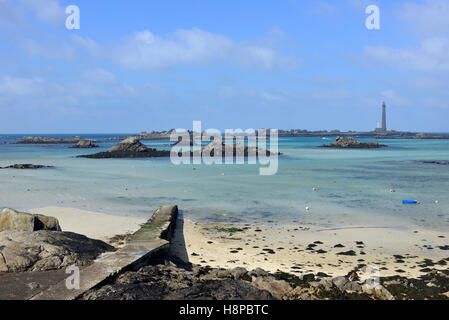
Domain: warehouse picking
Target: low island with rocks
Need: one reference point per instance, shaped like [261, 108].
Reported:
[129, 148]
[85, 144]
[351, 143]
[48, 140]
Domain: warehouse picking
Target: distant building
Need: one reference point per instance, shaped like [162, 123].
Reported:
[383, 129]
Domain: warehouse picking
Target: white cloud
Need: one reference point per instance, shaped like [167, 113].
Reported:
[321, 8]
[144, 50]
[432, 55]
[430, 18]
[99, 75]
[47, 11]
[48, 50]
[14, 86]
[87, 44]
[265, 96]
[10, 15]
[36, 92]
[394, 99]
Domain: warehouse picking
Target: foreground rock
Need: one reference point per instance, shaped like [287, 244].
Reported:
[26, 166]
[163, 279]
[46, 250]
[11, 219]
[129, 148]
[46, 140]
[85, 144]
[32, 242]
[351, 143]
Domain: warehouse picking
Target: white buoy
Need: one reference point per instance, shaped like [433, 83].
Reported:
[307, 208]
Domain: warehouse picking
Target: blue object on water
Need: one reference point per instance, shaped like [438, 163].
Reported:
[409, 201]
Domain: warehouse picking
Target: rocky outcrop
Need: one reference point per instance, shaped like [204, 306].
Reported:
[33, 242]
[11, 219]
[46, 250]
[351, 143]
[129, 148]
[26, 166]
[236, 149]
[84, 144]
[156, 135]
[46, 140]
[164, 279]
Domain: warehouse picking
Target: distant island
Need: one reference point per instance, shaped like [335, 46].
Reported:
[165, 135]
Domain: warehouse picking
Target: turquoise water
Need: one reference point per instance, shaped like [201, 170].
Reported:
[352, 185]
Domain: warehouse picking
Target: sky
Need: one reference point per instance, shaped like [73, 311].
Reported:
[156, 65]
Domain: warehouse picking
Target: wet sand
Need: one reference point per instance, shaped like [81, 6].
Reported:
[303, 249]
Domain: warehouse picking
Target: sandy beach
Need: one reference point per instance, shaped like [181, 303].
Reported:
[94, 225]
[297, 249]
[303, 249]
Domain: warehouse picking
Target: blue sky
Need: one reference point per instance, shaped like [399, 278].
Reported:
[152, 65]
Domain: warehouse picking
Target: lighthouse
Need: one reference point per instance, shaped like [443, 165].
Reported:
[383, 128]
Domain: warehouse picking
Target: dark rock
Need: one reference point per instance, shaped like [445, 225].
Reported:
[85, 144]
[10, 219]
[26, 166]
[46, 250]
[347, 253]
[46, 140]
[351, 143]
[168, 282]
[438, 162]
[235, 150]
[129, 148]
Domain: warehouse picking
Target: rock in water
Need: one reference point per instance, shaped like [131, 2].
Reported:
[234, 150]
[26, 166]
[47, 140]
[129, 148]
[46, 250]
[10, 219]
[84, 144]
[351, 143]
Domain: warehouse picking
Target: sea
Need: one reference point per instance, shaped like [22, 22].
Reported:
[314, 186]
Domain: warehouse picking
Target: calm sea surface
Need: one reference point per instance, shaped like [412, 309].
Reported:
[352, 186]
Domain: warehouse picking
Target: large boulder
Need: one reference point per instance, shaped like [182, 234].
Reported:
[11, 219]
[46, 250]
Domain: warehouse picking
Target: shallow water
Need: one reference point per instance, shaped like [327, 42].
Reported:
[352, 185]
